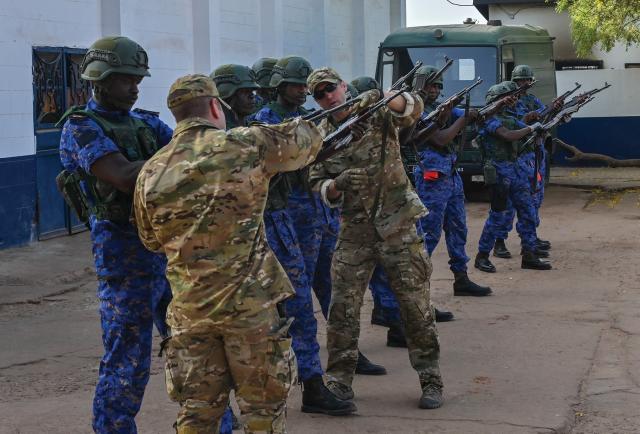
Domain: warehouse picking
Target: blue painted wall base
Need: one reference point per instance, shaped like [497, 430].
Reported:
[17, 200]
[615, 137]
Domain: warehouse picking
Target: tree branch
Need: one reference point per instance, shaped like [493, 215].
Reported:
[578, 155]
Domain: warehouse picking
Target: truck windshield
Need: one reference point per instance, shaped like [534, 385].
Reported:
[469, 64]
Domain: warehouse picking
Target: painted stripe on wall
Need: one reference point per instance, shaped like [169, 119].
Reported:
[613, 136]
[17, 200]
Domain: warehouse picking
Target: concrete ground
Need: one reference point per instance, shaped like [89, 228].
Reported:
[549, 352]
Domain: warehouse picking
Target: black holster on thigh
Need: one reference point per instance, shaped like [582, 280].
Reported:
[499, 196]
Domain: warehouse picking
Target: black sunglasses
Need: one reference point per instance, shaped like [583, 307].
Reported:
[319, 94]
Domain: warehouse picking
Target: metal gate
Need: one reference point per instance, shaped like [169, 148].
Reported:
[56, 87]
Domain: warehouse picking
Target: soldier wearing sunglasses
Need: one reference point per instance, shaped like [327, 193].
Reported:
[379, 212]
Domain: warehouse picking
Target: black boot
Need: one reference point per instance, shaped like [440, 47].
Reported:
[316, 398]
[483, 263]
[500, 250]
[542, 244]
[463, 286]
[532, 262]
[378, 317]
[366, 367]
[443, 315]
[395, 337]
[539, 253]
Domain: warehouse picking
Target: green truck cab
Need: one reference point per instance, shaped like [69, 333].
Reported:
[488, 51]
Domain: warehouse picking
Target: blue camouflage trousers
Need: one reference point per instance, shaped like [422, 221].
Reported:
[503, 221]
[444, 198]
[282, 239]
[517, 182]
[317, 227]
[129, 307]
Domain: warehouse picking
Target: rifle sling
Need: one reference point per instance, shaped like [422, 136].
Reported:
[383, 157]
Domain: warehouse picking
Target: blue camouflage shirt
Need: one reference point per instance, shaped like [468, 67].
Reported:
[528, 103]
[504, 119]
[440, 159]
[117, 250]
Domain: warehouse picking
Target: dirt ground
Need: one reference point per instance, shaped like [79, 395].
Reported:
[549, 352]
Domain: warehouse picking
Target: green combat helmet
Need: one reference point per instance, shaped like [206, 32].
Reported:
[352, 90]
[114, 54]
[290, 69]
[364, 83]
[498, 90]
[263, 69]
[229, 78]
[426, 71]
[522, 72]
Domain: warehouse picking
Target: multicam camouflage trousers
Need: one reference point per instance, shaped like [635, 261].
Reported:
[253, 356]
[359, 250]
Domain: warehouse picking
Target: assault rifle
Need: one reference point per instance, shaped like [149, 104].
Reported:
[340, 138]
[549, 111]
[492, 108]
[563, 116]
[423, 81]
[318, 115]
[427, 125]
[586, 96]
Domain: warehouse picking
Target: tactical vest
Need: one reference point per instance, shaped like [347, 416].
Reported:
[498, 149]
[442, 150]
[136, 141]
[280, 185]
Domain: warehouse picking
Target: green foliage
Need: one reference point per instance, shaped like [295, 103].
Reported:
[602, 22]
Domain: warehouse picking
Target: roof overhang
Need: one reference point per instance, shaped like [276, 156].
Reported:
[483, 5]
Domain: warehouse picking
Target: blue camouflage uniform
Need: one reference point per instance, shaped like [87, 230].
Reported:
[316, 226]
[443, 195]
[132, 288]
[528, 103]
[515, 178]
[504, 220]
[283, 240]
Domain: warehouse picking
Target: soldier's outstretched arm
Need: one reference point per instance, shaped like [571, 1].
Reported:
[287, 146]
[406, 110]
[116, 170]
[513, 135]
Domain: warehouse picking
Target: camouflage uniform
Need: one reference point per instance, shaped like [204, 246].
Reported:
[503, 221]
[132, 289]
[443, 195]
[378, 227]
[200, 200]
[515, 178]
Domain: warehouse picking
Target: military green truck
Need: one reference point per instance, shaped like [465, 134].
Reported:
[489, 51]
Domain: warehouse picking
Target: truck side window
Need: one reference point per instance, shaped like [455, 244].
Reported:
[466, 69]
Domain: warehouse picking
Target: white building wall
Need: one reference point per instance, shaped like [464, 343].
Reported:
[183, 36]
[24, 24]
[165, 29]
[376, 27]
[559, 27]
[620, 100]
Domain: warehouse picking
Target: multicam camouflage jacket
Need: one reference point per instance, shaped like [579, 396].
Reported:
[200, 201]
[388, 201]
